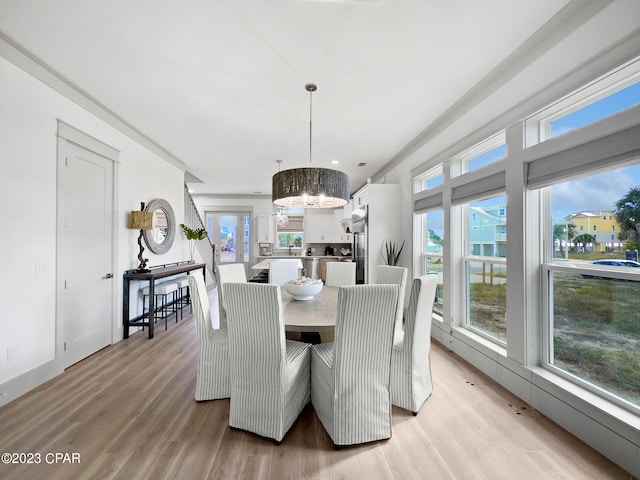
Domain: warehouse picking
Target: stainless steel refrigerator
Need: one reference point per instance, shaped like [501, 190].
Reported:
[359, 226]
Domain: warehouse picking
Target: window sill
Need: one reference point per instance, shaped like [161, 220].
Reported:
[586, 401]
[480, 343]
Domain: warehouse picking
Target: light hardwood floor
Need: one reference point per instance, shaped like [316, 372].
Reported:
[129, 412]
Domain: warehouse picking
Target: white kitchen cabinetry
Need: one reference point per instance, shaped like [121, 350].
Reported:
[341, 235]
[360, 198]
[347, 209]
[265, 229]
[319, 229]
[323, 226]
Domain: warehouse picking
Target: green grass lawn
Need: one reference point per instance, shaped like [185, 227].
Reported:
[596, 327]
[597, 331]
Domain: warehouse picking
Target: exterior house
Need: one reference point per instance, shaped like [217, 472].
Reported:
[602, 225]
[488, 231]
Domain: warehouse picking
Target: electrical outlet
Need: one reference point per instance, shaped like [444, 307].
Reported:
[12, 353]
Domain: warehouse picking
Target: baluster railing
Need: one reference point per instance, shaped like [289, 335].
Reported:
[193, 220]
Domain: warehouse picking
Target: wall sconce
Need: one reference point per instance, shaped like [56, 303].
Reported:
[141, 221]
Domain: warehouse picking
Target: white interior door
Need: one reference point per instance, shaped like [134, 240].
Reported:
[85, 252]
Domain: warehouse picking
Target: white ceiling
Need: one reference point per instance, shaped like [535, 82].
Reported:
[219, 84]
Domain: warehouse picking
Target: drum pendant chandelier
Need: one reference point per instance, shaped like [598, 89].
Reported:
[310, 187]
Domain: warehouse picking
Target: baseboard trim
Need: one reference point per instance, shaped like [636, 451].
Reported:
[18, 386]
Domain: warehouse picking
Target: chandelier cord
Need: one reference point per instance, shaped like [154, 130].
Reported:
[310, 116]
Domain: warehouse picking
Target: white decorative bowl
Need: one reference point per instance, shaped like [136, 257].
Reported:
[303, 292]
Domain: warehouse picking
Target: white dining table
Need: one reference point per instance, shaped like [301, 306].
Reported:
[316, 315]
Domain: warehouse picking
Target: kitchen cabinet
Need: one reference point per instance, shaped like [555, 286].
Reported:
[347, 209]
[319, 229]
[265, 229]
[323, 226]
[341, 235]
[361, 198]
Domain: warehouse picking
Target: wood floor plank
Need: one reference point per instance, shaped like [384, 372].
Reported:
[415, 445]
[374, 464]
[129, 412]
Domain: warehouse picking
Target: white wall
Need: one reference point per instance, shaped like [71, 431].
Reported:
[29, 111]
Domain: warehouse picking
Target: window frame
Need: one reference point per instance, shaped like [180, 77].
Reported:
[602, 139]
[526, 349]
[422, 228]
[548, 269]
[467, 258]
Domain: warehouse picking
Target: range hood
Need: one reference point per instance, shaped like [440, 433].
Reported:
[346, 224]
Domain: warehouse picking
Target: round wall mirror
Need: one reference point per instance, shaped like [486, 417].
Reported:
[160, 239]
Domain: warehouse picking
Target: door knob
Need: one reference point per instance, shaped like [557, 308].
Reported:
[108, 275]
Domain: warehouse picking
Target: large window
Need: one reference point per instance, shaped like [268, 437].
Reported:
[595, 329]
[624, 98]
[482, 154]
[569, 179]
[493, 155]
[485, 267]
[594, 333]
[432, 252]
[428, 180]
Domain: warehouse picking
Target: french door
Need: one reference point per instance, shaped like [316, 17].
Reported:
[231, 233]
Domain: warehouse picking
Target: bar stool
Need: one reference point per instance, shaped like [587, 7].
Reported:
[165, 301]
[183, 295]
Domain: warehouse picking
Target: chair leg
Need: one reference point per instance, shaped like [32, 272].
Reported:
[175, 304]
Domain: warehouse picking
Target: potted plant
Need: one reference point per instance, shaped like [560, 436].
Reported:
[193, 234]
[392, 252]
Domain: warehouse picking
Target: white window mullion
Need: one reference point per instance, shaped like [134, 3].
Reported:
[517, 291]
[453, 311]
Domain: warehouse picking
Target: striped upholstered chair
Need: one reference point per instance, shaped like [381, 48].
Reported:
[270, 376]
[396, 276]
[350, 377]
[232, 272]
[410, 368]
[340, 274]
[281, 271]
[212, 375]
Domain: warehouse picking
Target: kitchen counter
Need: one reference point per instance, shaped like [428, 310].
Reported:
[264, 257]
[314, 265]
[264, 264]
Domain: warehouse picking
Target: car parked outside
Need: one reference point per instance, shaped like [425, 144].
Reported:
[617, 263]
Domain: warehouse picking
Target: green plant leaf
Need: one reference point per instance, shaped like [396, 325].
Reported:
[194, 234]
[392, 252]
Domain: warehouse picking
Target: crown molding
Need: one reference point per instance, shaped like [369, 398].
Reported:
[33, 65]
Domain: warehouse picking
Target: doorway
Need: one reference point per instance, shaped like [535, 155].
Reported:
[231, 233]
[85, 255]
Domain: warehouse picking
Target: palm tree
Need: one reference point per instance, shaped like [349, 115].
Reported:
[584, 239]
[627, 215]
[563, 232]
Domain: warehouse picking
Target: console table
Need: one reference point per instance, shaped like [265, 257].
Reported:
[155, 273]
